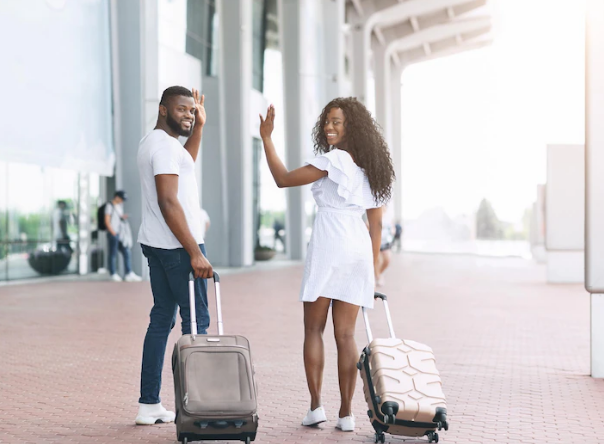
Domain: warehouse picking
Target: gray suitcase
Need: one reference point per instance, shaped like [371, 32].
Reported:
[214, 386]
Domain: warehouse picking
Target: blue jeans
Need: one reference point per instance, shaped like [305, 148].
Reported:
[114, 246]
[169, 272]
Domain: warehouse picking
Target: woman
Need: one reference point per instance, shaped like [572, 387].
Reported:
[353, 173]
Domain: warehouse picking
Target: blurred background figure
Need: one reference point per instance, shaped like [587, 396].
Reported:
[205, 221]
[62, 218]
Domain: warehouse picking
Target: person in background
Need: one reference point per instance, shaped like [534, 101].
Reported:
[118, 238]
[205, 222]
[385, 249]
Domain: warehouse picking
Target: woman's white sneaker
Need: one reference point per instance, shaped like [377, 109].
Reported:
[149, 414]
[346, 424]
[314, 417]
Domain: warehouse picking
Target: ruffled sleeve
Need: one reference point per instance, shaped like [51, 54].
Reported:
[353, 185]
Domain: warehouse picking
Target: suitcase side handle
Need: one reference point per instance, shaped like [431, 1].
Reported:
[384, 299]
[193, 314]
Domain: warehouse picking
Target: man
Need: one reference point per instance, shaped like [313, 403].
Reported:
[119, 238]
[171, 235]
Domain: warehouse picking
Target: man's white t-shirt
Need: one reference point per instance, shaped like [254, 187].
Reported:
[159, 153]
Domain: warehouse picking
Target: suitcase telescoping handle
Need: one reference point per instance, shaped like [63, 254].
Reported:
[192, 304]
[384, 299]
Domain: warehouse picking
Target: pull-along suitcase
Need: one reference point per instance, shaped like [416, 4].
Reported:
[402, 385]
[215, 391]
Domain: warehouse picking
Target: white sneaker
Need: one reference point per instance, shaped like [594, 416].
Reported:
[314, 417]
[116, 278]
[346, 424]
[132, 277]
[149, 414]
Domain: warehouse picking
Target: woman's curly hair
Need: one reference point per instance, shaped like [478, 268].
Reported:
[364, 142]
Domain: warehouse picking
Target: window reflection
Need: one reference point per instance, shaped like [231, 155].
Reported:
[39, 210]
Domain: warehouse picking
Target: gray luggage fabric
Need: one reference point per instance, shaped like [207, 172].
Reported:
[214, 386]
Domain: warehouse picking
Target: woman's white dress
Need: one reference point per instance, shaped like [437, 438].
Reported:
[339, 261]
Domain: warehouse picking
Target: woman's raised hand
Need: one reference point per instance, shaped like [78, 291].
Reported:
[267, 124]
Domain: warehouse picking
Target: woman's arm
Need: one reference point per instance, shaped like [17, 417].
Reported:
[284, 178]
[374, 217]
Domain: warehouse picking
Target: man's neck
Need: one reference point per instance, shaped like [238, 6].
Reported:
[164, 127]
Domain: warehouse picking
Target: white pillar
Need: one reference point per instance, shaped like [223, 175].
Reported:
[291, 43]
[360, 57]
[381, 70]
[333, 23]
[396, 134]
[235, 91]
[134, 35]
[594, 179]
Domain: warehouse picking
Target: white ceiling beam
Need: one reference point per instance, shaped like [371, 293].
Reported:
[466, 46]
[401, 12]
[450, 13]
[414, 24]
[427, 50]
[380, 35]
[396, 59]
[438, 32]
[459, 39]
[358, 7]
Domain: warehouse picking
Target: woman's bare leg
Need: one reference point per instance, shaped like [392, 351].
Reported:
[344, 323]
[315, 317]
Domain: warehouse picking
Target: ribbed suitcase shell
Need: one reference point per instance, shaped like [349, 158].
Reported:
[402, 386]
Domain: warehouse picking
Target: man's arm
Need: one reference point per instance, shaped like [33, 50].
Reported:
[194, 141]
[174, 215]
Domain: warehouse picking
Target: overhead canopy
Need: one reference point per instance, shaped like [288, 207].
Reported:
[69, 123]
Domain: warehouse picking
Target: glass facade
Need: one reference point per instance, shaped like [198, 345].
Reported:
[38, 221]
[258, 43]
[202, 34]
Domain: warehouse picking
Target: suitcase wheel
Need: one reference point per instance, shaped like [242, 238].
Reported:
[432, 436]
[380, 437]
[185, 440]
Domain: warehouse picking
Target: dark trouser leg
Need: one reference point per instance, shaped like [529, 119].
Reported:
[162, 320]
[113, 242]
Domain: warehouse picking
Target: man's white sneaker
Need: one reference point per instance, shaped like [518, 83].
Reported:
[132, 277]
[116, 278]
[346, 424]
[149, 414]
[314, 417]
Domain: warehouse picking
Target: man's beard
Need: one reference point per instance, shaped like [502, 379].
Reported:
[177, 128]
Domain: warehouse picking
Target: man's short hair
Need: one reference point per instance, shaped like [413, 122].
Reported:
[174, 91]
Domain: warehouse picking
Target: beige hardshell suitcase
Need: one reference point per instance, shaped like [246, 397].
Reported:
[402, 385]
[215, 391]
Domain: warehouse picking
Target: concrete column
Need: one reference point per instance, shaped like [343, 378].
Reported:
[564, 213]
[235, 87]
[291, 42]
[333, 23]
[381, 69]
[135, 75]
[214, 196]
[594, 179]
[396, 137]
[360, 56]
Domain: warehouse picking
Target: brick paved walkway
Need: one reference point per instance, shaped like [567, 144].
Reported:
[513, 353]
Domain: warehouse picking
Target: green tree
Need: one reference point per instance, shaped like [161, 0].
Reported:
[488, 225]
